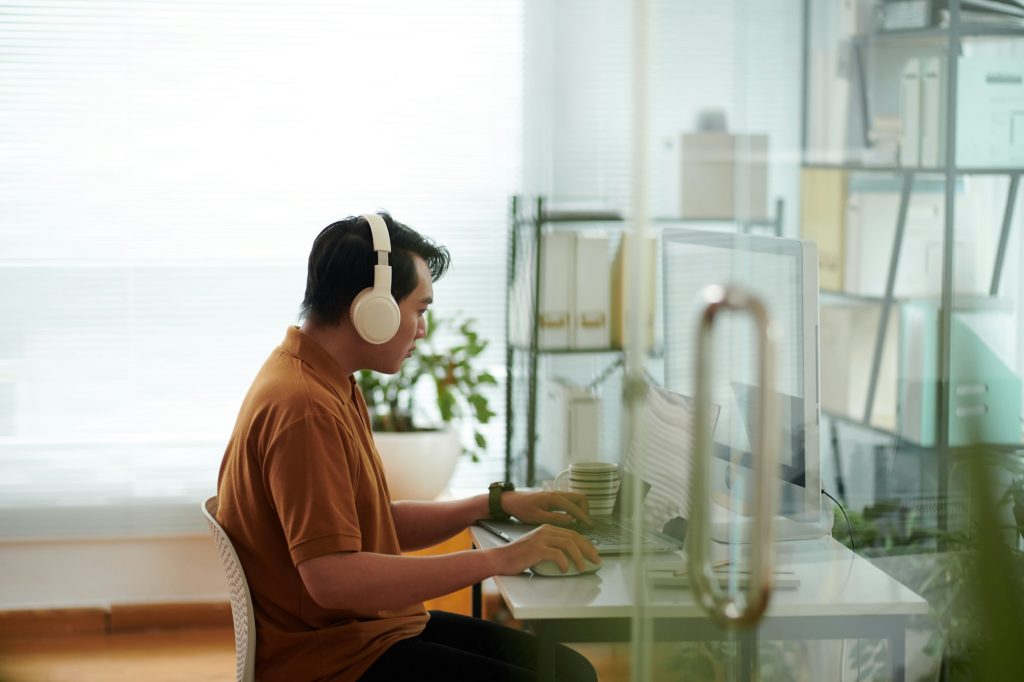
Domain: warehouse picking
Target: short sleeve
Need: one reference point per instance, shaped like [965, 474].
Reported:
[309, 471]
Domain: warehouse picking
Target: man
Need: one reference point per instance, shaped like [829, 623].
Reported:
[303, 498]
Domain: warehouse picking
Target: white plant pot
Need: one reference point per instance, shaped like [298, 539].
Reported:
[418, 464]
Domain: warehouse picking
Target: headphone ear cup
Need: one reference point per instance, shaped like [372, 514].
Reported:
[375, 316]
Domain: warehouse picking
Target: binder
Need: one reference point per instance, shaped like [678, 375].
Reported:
[621, 315]
[556, 290]
[910, 113]
[823, 196]
[591, 314]
[933, 109]
[903, 14]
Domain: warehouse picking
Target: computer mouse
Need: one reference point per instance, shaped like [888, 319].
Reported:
[547, 567]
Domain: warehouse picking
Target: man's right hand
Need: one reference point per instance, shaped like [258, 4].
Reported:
[560, 545]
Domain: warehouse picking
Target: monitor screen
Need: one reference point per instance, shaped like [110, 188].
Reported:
[783, 274]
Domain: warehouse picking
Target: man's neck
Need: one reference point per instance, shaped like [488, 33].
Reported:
[333, 340]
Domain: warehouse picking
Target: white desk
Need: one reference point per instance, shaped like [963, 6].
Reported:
[840, 596]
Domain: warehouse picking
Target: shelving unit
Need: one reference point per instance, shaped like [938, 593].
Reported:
[949, 40]
[528, 218]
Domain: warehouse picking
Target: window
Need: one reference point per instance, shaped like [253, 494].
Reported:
[164, 168]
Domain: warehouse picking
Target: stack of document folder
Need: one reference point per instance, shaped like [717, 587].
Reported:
[674, 572]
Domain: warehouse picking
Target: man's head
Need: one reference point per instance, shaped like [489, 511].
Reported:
[341, 265]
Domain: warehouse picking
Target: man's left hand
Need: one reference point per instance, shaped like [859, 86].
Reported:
[556, 508]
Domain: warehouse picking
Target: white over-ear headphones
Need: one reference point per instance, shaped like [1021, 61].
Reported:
[374, 312]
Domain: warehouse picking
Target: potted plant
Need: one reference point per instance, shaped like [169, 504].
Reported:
[420, 414]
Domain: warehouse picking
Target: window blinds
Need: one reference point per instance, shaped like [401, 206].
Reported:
[164, 168]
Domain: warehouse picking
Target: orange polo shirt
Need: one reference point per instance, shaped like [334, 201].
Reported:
[301, 478]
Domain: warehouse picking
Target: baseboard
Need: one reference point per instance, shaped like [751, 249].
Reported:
[129, 617]
[53, 622]
[117, 618]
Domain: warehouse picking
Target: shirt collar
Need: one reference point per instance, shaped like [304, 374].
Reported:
[320, 361]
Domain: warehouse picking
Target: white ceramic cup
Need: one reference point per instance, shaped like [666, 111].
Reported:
[599, 481]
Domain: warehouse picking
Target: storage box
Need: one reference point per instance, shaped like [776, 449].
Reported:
[985, 392]
[724, 176]
[591, 296]
[557, 279]
[990, 112]
[848, 332]
[871, 218]
[570, 418]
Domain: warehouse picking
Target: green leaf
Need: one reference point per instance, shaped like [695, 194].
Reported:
[444, 358]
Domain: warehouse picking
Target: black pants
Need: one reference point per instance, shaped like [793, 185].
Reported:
[454, 647]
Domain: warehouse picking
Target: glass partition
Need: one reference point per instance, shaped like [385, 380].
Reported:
[849, 133]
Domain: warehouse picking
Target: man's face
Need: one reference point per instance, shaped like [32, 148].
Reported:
[413, 324]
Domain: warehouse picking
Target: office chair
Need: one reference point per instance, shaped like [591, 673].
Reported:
[241, 600]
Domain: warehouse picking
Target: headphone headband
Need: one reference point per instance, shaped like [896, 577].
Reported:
[379, 232]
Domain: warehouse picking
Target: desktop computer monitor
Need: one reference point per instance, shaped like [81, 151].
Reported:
[783, 273]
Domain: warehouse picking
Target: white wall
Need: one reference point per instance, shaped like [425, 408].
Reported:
[69, 573]
[741, 57]
[61, 572]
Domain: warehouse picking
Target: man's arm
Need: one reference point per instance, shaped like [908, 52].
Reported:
[424, 524]
[373, 582]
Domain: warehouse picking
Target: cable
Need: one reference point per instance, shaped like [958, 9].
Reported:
[853, 548]
[849, 527]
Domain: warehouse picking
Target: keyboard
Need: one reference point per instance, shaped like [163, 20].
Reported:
[611, 535]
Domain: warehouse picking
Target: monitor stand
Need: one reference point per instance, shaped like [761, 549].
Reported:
[727, 527]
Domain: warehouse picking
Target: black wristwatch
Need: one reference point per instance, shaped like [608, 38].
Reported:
[494, 492]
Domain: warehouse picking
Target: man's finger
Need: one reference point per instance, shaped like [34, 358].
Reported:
[580, 549]
[591, 551]
[575, 555]
[556, 518]
[578, 499]
[575, 504]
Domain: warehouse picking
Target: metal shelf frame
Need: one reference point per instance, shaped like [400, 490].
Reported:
[952, 36]
[527, 219]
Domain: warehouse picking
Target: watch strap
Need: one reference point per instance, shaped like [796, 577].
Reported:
[494, 492]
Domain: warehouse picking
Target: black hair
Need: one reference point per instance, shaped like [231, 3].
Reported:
[341, 265]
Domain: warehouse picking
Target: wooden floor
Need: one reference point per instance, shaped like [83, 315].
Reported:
[157, 656]
[206, 655]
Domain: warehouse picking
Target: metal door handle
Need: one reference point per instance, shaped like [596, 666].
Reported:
[725, 608]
